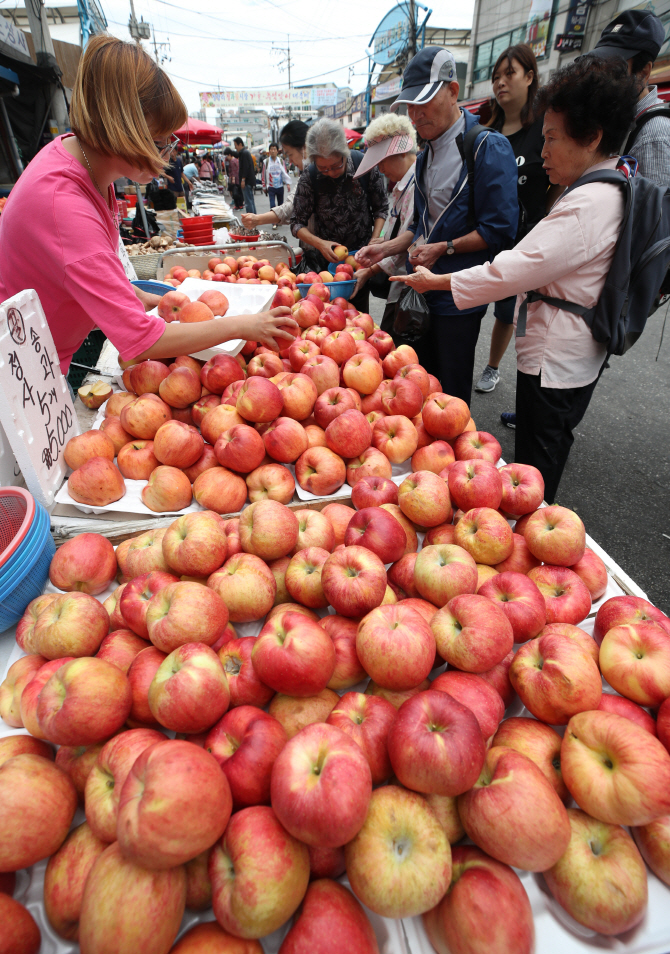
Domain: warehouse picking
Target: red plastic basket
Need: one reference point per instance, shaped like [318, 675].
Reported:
[17, 512]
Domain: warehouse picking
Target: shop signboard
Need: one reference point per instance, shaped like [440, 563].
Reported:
[321, 97]
[13, 41]
[578, 13]
[568, 44]
[387, 90]
[392, 35]
[256, 97]
[539, 26]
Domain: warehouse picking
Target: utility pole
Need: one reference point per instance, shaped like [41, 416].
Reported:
[412, 30]
[138, 29]
[45, 55]
[285, 64]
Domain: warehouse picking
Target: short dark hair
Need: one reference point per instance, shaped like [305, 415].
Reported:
[239, 139]
[275, 145]
[525, 57]
[294, 134]
[594, 94]
[639, 61]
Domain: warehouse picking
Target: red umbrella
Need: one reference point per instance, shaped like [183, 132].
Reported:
[352, 135]
[196, 132]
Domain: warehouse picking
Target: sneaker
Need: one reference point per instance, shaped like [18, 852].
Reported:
[509, 419]
[489, 379]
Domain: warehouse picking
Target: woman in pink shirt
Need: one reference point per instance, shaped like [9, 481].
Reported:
[588, 107]
[59, 231]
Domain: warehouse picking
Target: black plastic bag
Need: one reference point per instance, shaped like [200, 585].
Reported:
[412, 317]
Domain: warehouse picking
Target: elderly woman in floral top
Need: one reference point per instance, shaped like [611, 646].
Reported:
[331, 207]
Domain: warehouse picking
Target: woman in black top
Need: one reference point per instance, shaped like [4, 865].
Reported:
[515, 85]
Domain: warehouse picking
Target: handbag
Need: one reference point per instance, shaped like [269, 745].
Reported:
[412, 316]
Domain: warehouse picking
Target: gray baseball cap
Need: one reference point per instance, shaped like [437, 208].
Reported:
[424, 75]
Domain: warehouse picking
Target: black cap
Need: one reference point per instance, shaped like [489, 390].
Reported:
[632, 32]
[424, 75]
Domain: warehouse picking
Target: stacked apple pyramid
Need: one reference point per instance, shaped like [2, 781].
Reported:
[298, 656]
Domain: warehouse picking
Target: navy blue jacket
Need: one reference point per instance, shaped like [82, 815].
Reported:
[496, 211]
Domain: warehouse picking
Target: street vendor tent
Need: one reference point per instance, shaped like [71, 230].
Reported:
[195, 132]
[351, 135]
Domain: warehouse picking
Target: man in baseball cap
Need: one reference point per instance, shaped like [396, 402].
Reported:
[637, 37]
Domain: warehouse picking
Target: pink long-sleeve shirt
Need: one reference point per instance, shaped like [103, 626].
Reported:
[567, 255]
[57, 236]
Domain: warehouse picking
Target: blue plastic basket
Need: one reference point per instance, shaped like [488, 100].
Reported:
[336, 289]
[151, 287]
[29, 573]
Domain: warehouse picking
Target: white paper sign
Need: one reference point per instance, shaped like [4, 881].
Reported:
[36, 410]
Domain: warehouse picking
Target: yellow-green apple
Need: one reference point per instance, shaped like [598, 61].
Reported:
[198, 884]
[298, 393]
[246, 585]
[265, 365]
[566, 598]
[444, 416]
[399, 358]
[521, 560]
[472, 633]
[85, 701]
[443, 571]
[348, 669]
[240, 448]
[220, 490]
[259, 874]
[38, 804]
[284, 440]
[140, 676]
[144, 554]
[520, 600]
[195, 544]
[395, 646]
[615, 770]
[168, 490]
[294, 655]
[180, 388]
[126, 908]
[434, 457]
[478, 884]
[145, 377]
[20, 932]
[213, 418]
[271, 481]
[137, 595]
[77, 761]
[320, 471]
[329, 911]
[246, 743]
[349, 434]
[353, 581]
[513, 812]
[294, 713]
[635, 660]
[74, 624]
[610, 702]
[321, 786]
[475, 483]
[485, 534]
[399, 863]
[174, 804]
[601, 880]
[556, 535]
[383, 342]
[402, 396]
[424, 499]
[446, 810]
[209, 937]
[484, 573]
[626, 609]
[220, 371]
[86, 563]
[396, 437]
[653, 840]
[259, 400]
[555, 679]
[436, 745]
[314, 530]
[373, 492]
[363, 373]
[18, 676]
[371, 463]
[377, 531]
[322, 370]
[144, 415]
[65, 877]
[401, 577]
[108, 773]
[662, 723]
[477, 695]
[538, 742]
[339, 516]
[185, 612]
[300, 351]
[522, 488]
[12, 745]
[593, 573]
[245, 687]
[189, 691]
[303, 577]
[268, 529]
[96, 483]
[331, 403]
[498, 677]
[84, 447]
[367, 720]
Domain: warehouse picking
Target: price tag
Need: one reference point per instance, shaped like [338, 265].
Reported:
[36, 410]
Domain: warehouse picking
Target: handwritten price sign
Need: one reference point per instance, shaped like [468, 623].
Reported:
[36, 410]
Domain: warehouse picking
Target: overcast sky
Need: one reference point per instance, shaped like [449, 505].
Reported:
[230, 45]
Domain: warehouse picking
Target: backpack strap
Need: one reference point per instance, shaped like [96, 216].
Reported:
[466, 147]
[652, 113]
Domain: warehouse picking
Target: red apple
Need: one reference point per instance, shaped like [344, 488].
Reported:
[395, 646]
[555, 679]
[294, 655]
[246, 743]
[566, 598]
[472, 633]
[555, 535]
[353, 580]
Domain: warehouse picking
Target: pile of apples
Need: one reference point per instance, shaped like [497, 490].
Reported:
[299, 656]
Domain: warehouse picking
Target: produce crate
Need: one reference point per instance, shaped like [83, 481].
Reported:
[275, 252]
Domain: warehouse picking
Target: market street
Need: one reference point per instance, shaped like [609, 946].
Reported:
[618, 474]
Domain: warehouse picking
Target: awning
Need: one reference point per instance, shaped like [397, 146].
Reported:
[352, 135]
[197, 133]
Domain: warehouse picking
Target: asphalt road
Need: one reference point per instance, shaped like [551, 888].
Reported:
[618, 474]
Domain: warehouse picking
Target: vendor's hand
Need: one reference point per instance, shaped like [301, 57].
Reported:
[249, 220]
[269, 325]
[148, 301]
[370, 255]
[242, 183]
[326, 247]
[421, 280]
[425, 255]
[362, 275]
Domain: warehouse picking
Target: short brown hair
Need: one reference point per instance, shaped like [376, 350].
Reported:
[119, 90]
[525, 57]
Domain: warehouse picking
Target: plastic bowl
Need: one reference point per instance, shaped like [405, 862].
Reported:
[30, 574]
[243, 238]
[336, 289]
[17, 512]
[196, 222]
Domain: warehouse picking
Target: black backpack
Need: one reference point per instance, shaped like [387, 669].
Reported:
[637, 279]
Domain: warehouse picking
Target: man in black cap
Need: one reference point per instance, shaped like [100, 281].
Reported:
[450, 232]
[637, 36]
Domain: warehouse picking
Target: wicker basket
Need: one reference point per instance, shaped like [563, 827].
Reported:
[145, 265]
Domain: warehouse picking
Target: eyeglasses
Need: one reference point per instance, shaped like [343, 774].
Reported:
[166, 149]
[331, 170]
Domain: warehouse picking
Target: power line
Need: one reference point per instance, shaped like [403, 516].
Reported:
[307, 79]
